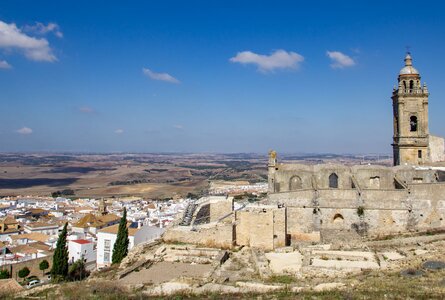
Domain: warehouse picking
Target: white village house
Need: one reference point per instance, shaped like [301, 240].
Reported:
[137, 234]
[81, 248]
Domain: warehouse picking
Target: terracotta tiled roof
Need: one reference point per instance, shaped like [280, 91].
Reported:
[40, 224]
[82, 241]
[35, 211]
[40, 246]
[91, 220]
[35, 236]
[26, 249]
[115, 228]
[10, 230]
[8, 220]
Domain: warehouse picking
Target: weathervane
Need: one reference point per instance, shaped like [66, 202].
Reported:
[407, 49]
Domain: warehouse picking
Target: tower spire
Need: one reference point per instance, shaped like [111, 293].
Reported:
[408, 59]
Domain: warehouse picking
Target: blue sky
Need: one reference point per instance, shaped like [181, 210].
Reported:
[197, 76]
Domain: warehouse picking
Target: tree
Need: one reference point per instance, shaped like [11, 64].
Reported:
[77, 270]
[120, 249]
[4, 274]
[43, 266]
[23, 273]
[60, 258]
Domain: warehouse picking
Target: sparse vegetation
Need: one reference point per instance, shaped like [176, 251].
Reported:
[77, 270]
[283, 279]
[360, 211]
[4, 274]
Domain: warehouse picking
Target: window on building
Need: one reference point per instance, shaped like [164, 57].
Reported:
[413, 123]
[333, 181]
[374, 182]
[106, 257]
[295, 183]
[411, 86]
[419, 153]
[107, 245]
[338, 218]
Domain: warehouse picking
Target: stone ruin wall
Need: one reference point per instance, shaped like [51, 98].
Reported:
[402, 199]
[436, 148]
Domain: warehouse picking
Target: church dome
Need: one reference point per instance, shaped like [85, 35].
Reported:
[408, 69]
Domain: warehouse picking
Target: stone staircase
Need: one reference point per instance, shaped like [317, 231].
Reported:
[188, 214]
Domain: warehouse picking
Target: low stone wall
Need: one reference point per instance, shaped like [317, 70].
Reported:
[33, 266]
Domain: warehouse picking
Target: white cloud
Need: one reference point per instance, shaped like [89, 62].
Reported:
[340, 60]
[280, 59]
[159, 76]
[35, 49]
[24, 130]
[42, 29]
[86, 110]
[119, 131]
[179, 127]
[4, 65]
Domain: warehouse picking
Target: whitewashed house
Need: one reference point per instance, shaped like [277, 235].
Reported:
[82, 248]
[137, 234]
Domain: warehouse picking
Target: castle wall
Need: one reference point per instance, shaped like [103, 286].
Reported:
[262, 227]
[374, 207]
[219, 209]
[218, 236]
[436, 148]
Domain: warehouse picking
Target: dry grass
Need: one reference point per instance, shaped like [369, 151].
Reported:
[372, 285]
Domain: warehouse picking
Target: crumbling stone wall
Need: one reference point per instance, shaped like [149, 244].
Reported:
[261, 227]
[436, 148]
[367, 201]
[211, 235]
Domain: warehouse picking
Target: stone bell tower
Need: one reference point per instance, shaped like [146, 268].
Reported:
[410, 113]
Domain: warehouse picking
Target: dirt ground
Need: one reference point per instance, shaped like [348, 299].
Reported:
[166, 271]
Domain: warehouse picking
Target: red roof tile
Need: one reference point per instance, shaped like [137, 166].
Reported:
[81, 241]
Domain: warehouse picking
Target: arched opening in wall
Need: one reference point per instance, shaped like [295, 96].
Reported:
[374, 182]
[413, 123]
[404, 86]
[333, 181]
[338, 219]
[295, 183]
[411, 86]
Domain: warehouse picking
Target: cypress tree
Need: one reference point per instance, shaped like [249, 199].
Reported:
[59, 269]
[120, 249]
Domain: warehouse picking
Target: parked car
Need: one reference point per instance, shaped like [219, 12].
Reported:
[33, 283]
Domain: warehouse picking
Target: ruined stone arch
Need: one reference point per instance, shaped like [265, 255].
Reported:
[295, 183]
[333, 181]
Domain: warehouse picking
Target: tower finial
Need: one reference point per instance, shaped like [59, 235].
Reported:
[408, 59]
